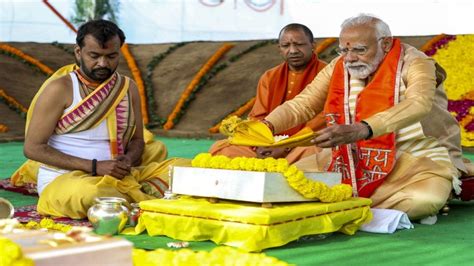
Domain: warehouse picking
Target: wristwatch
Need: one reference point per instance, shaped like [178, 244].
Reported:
[371, 133]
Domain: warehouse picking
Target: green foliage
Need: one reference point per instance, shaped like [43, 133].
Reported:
[24, 61]
[63, 47]
[86, 10]
[13, 107]
[213, 72]
[155, 120]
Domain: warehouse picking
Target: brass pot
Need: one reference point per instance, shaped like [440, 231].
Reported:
[108, 216]
[6, 209]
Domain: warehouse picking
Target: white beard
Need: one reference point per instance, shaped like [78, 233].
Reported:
[360, 70]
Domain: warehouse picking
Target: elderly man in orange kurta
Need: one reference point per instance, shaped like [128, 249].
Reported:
[277, 85]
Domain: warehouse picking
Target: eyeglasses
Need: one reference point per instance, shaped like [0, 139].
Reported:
[362, 50]
[359, 50]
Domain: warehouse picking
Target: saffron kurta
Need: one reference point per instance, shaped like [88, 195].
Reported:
[276, 86]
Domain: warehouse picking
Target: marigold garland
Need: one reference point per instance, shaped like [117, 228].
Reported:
[239, 112]
[3, 128]
[251, 48]
[325, 44]
[138, 79]
[308, 188]
[47, 223]
[194, 82]
[217, 256]
[13, 103]
[29, 59]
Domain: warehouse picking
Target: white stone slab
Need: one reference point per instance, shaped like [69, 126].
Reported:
[249, 186]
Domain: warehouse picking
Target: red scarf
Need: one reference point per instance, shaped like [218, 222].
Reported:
[375, 158]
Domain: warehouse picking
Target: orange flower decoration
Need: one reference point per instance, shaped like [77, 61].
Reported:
[194, 82]
[137, 76]
[17, 52]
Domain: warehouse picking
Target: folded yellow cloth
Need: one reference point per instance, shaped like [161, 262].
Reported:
[256, 133]
[248, 226]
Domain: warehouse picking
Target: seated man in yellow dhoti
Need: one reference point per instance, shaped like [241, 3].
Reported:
[85, 129]
[280, 84]
[389, 131]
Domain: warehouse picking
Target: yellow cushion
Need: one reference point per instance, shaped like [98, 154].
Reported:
[248, 226]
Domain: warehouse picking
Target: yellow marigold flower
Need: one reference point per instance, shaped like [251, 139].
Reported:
[46, 223]
[228, 125]
[235, 163]
[249, 164]
[62, 227]
[201, 159]
[456, 58]
[12, 254]
[292, 170]
[259, 165]
[295, 177]
[282, 165]
[32, 225]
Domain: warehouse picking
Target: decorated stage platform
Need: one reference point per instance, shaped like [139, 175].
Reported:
[440, 244]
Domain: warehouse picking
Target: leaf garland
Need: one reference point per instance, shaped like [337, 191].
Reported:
[177, 112]
[155, 120]
[213, 72]
[13, 104]
[63, 47]
[17, 53]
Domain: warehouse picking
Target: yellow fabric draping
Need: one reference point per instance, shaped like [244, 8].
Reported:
[256, 133]
[154, 151]
[248, 226]
[73, 193]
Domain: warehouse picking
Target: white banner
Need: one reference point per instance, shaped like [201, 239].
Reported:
[164, 21]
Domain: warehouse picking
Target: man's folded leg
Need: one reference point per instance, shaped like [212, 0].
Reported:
[418, 186]
[73, 193]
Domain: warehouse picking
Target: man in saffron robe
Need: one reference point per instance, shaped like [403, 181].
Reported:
[277, 85]
[86, 131]
[388, 128]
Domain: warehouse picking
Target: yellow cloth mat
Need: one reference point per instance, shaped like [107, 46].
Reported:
[248, 226]
[255, 133]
